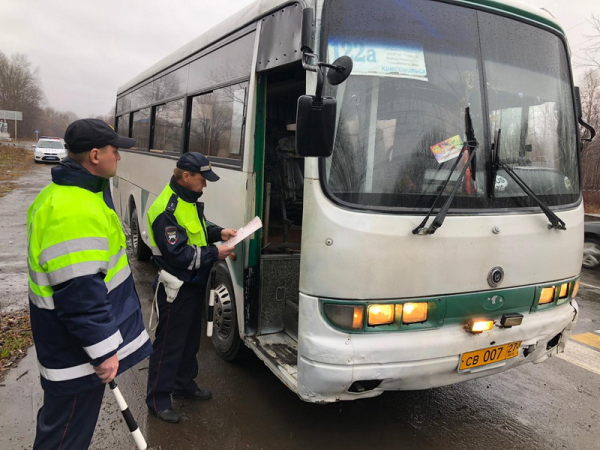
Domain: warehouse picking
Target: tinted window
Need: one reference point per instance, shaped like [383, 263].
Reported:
[227, 63]
[172, 84]
[168, 122]
[216, 122]
[123, 125]
[140, 130]
[124, 104]
[142, 96]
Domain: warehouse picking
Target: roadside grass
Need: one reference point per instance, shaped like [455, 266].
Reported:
[14, 162]
[15, 339]
[15, 328]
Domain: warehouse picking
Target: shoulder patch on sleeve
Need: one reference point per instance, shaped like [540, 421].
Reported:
[171, 235]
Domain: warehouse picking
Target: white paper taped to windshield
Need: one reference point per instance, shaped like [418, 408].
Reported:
[406, 60]
[245, 231]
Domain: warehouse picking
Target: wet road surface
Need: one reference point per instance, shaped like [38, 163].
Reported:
[554, 405]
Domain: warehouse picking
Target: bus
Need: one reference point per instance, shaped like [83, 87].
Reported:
[422, 218]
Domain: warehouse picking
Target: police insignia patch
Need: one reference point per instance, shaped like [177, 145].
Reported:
[171, 235]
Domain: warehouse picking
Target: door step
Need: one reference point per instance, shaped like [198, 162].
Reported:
[280, 353]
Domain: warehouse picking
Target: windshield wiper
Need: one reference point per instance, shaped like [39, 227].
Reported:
[555, 222]
[471, 146]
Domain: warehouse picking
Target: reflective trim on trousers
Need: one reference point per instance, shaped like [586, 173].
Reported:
[82, 370]
[72, 246]
[106, 346]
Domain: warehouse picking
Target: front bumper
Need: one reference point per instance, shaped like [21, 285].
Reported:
[330, 361]
[49, 157]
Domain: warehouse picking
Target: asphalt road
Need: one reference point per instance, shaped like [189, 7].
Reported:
[554, 405]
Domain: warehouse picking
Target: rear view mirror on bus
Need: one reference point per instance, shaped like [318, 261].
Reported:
[316, 115]
[315, 126]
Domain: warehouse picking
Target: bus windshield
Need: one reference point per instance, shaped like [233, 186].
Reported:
[401, 114]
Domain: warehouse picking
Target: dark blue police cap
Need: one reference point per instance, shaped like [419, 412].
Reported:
[198, 163]
[86, 134]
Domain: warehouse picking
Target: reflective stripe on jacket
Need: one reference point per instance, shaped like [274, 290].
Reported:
[179, 236]
[83, 303]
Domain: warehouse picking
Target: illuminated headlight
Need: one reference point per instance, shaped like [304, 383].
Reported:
[480, 325]
[414, 312]
[575, 288]
[348, 317]
[380, 314]
[547, 295]
[564, 291]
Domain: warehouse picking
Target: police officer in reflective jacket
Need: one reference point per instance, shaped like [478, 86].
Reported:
[181, 247]
[85, 313]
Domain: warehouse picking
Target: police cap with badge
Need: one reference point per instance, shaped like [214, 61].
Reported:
[197, 163]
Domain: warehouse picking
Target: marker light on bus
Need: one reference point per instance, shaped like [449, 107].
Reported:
[564, 291]
[575, 289]
[414, 312]
[547, 295]
[380, 314]
[480, 325]
[345, 316]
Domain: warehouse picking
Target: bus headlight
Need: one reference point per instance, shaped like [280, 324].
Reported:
[575, 289]
[564, 291]
[414, 312]
[547, 295]
[345, 316]
[380, 314]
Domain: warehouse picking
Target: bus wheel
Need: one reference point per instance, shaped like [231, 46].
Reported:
[141, 251]
[226, 337]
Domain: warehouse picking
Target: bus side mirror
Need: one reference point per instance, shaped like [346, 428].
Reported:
[316, 115]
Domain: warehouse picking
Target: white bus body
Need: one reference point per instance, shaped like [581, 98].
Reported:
[344, 254]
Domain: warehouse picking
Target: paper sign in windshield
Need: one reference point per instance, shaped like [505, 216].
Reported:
[406, 60]
[448, 149]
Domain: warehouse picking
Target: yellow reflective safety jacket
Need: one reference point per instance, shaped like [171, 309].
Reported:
[83, 303]
[179, 237]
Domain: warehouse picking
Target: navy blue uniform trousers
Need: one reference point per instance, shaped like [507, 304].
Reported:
[173, 364]
[67, 422]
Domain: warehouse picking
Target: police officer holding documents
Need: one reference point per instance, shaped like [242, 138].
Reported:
[180, 241]
[85, 313]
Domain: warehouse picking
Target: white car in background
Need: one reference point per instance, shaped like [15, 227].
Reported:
[49, 149]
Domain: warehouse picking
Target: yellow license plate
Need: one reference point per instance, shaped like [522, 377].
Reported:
[489, 355]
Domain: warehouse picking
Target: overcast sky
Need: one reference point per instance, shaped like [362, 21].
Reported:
[86, 49]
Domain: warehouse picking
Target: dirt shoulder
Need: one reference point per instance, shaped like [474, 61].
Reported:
[14, 162]
[20, 181]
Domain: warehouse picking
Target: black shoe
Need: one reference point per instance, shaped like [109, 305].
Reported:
[168, 415]
[200, 394]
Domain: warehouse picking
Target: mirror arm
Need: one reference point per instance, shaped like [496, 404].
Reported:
[306, 65]
[588, 127]
[320, 83]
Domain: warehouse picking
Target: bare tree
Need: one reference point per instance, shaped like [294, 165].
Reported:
[20, 91]
[591, 52]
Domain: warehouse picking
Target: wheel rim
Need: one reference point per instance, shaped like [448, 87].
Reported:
[134, 234]
[591, 254]
[223, 312]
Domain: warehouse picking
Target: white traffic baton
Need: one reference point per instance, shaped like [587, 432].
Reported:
[140, 442]
[211, 305]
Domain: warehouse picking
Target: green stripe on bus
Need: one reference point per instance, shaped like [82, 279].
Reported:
[259, 151]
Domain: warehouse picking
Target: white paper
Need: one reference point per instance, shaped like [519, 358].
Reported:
[244, 232]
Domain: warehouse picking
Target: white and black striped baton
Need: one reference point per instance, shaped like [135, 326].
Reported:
[140, 442]
[211, 305]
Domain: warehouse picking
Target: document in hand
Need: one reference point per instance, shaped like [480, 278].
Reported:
[245, 231]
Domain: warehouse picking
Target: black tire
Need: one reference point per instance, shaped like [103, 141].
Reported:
[140, 250]
[591, 253]
[226, 337]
